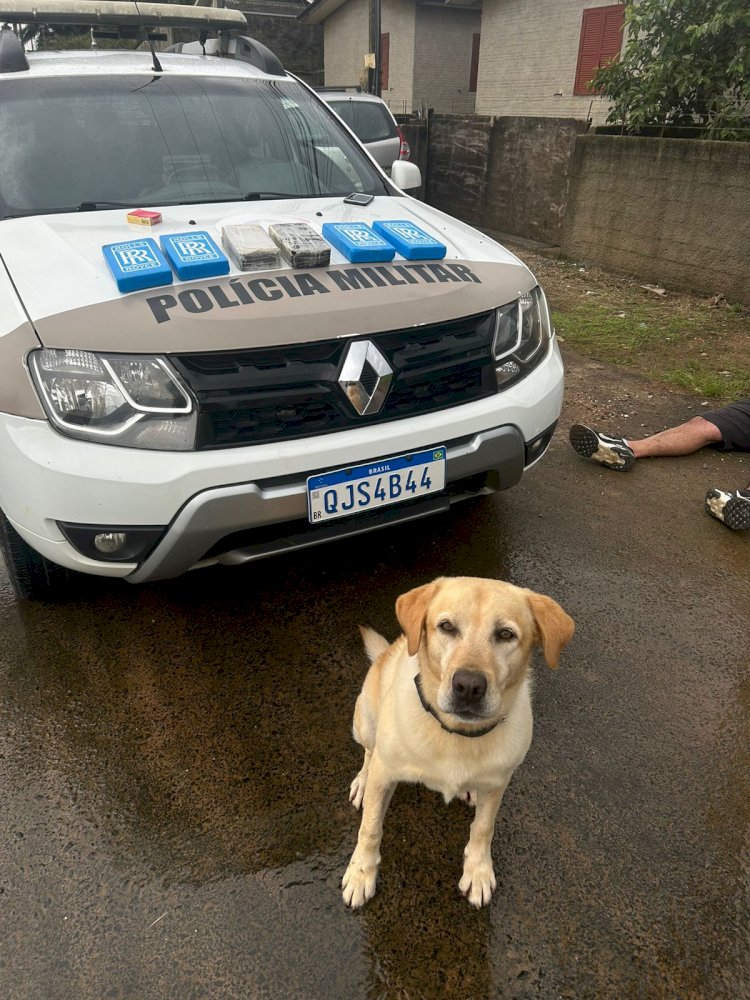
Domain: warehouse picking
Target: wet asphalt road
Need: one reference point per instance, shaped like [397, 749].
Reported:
[175, 761]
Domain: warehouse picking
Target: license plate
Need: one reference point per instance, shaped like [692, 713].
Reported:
[376, 484]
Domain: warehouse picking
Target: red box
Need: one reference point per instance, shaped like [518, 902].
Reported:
[143, 217]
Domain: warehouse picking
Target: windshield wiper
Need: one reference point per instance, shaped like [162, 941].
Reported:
[93, 206]
[260, 195]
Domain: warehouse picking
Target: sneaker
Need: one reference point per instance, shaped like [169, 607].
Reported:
[611, 452]
[732, 509]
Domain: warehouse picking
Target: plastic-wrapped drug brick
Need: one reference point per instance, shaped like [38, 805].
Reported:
[357, 242]
[137, 264]
[300, 245]
[250, 247]
[193, 255]
[410, 241]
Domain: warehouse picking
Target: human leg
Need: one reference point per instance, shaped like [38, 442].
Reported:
[683, 439]
[620, 454]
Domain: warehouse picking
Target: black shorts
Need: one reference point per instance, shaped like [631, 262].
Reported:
[734, 423]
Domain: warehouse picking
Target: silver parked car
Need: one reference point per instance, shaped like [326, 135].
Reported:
[371, 121]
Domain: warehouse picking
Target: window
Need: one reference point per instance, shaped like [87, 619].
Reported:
[368, 120]
[601, 41]
[474, 69]
[385, 52]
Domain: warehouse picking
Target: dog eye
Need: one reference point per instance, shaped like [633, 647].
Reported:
[504, 635]
[448, 627]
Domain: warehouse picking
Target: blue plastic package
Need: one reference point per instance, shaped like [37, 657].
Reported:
[357, 242]
[137, 264]
[194, 255]
[411, 242]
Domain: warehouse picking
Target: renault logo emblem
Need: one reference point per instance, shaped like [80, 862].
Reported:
[365, 377]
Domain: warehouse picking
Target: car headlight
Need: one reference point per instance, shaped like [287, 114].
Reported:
[522, 334]
[134, 401]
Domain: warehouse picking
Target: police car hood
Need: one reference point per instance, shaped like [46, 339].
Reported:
[70, 296]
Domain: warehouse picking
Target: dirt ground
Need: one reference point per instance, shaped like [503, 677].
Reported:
[699, 344]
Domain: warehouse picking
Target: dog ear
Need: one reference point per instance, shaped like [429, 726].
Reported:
[554, 625]
[411, 609]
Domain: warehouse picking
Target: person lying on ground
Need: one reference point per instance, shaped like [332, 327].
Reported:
[727, 428]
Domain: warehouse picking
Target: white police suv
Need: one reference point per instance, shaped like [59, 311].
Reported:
[224, 332]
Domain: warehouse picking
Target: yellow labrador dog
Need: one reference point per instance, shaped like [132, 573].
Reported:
[448, 705]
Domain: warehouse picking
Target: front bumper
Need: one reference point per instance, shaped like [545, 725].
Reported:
[213, 526]
[239, 504]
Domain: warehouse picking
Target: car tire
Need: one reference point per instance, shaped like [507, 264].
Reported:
[32, 577]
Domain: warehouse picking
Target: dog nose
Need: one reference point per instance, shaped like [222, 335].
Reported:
[469, 686]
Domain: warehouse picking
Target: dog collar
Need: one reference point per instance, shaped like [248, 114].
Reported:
[455, 732]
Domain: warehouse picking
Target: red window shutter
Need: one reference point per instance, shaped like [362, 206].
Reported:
[385, 52]
[474, 69]
[601, 41]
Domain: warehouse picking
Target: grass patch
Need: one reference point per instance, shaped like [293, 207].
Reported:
[684, 350]
[703, 381]
[700, 344]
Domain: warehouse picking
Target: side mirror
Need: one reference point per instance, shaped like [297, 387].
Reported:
[405, 175]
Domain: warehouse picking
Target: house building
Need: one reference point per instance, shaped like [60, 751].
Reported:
[428, 50]
[496, 57]
[537, 57]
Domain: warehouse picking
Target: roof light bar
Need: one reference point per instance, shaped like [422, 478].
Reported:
[110, 13]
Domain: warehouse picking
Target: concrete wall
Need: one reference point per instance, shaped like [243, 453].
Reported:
[442, 59]
[529, 51]
[347, 33]
[457, 158]
[530, 169]
[673, 211]
[510, 175]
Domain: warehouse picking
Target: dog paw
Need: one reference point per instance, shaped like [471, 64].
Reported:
[358, 883]
[357, 790]
[478, 883]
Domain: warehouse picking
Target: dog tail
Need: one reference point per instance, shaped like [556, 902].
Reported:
[375, 644]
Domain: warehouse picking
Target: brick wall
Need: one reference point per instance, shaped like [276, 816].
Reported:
[529, 51]
[397, 18]
[442, 59]
[671, 211]
[347, 33]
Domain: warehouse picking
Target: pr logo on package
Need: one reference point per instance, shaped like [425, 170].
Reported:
[194, 255]
[137, 264]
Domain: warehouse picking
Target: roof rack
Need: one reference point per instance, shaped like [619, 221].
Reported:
[241, 47]
[257, 54]
[12, 56]
[115, 13]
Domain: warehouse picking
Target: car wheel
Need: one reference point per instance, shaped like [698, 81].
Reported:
[31, 575]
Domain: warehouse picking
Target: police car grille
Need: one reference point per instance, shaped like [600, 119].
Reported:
[274, 394]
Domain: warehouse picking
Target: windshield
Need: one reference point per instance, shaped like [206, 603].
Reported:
[78, 143]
